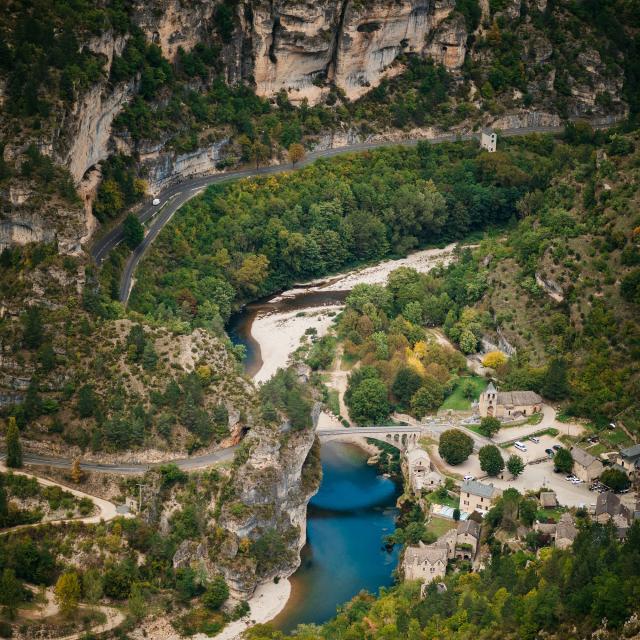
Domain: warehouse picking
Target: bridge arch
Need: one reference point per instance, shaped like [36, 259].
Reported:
[400, 437]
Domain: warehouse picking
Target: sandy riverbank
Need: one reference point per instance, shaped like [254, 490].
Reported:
[266, 603]
[279, 335]
[422, 261]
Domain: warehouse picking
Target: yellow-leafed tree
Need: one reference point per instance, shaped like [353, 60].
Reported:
[494, 359]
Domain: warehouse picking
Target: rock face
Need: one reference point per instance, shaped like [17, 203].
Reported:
[164, 167]
[275, 485]
[352, 44]
[171, 24]
[85, 134]
[448, 44]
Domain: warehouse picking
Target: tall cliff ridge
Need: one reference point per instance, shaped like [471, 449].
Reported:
[186, 88]
[257, 523]
[298, 46]
[271, 492]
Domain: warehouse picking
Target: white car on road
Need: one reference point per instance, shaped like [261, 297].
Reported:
[156, 202]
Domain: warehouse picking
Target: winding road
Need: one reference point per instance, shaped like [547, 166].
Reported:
[174, 196]
[131, 468]
[105, 510]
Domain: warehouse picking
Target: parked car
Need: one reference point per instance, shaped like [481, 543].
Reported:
[549, 452]
[534, 439]
[570, 478]
[556, 447]
[520, 445]
[576, 481]
[468, 477]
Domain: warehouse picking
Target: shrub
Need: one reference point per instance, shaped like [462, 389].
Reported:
[615, 479]
[494, 359]
[563, 461]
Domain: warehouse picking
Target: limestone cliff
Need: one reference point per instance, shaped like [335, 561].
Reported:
[260, 526]
[327, 52]
[299, 45]
[274, 486]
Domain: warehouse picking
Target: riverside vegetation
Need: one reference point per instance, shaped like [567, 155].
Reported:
[556, 274]
[562, 208]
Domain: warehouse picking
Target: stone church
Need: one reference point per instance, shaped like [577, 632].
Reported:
[508, 404]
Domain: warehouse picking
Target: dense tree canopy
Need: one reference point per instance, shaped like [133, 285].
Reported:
[455, 446]
[491, 461]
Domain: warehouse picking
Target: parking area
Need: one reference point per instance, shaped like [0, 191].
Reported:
[542, 476]
[534, 451]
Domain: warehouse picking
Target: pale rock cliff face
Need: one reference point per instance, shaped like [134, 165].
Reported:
[164, 167]
[87, 129]
[374, 34]
[448, 44]
[275, 484]
[172, 24]
[352, 44]
[31, 220]
[293, 43]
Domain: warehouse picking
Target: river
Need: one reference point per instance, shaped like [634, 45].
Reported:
[355, 507]
[346, 521]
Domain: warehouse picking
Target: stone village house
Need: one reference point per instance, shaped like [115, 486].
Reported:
[425, 562]
[428, 562]
[477, 496]
[609, 507]
[629, 459]
[563, 533]
[421, 472]
[508, 404]
[585, 466]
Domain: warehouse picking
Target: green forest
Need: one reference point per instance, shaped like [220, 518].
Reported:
[246, 239]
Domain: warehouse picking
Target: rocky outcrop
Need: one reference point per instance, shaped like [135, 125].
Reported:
[30, 220]
[172, 25]
[553, 289]
[90, 127]
[83, 135]
[274, 487]
[164, 167]
[374, 34]
[448, 44]
[497, 343]
[293, 45]
[297, 46]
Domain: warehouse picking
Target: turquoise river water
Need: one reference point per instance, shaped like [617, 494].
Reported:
[347, 520]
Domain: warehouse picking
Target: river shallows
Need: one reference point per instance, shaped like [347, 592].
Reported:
[346, 521]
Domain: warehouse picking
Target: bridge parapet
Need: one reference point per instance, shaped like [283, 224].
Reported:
[399, 437]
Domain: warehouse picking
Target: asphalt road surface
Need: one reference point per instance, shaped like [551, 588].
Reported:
[174, 196]
[186, 464]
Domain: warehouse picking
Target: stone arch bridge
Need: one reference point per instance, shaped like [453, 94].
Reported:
[399, 437]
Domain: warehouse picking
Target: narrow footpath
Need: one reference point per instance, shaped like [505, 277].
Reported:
[105, 511]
